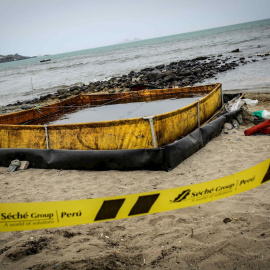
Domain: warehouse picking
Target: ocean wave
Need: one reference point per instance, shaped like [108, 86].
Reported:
[77, 65]
[244, 41]
[67, 66]
[100, 62]
[22, 71]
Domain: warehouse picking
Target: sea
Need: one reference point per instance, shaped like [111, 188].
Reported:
[28, 79]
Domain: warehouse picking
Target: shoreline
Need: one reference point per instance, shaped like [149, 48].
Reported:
[176, 74]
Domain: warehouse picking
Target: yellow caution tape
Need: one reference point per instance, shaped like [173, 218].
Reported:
[41, 215]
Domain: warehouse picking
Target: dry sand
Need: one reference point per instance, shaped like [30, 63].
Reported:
[190, 238]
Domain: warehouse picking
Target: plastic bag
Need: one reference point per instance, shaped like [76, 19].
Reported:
[265, 114]
[250, 102]
[234, 104]
[262, 114]
[237, 105]
[258, 114]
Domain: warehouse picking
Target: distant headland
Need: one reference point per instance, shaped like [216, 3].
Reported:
[13, 57]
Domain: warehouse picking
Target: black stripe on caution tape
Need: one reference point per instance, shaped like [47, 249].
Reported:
[109, 209]
[143, 204]
[267, 175]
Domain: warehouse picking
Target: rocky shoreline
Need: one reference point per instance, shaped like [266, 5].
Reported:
[176, 74]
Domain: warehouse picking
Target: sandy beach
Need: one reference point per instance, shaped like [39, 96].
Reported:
[190, 238]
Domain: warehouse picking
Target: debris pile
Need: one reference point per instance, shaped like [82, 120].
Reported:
[260, 118]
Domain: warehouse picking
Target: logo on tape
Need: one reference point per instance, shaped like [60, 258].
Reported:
[182, 196]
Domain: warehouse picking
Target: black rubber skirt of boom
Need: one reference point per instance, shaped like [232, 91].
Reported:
[162, 158]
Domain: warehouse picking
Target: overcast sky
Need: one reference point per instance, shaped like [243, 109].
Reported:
[36, 27]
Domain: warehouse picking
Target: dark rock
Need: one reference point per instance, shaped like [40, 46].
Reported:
[101, 87]
[35, 100]
[76, 92]
[131, 73]
[91, 88]
[56, 266]
[62, 91]
[197, 70]
[228, 126]
[72, 88]
[222, 68]
[235, 64]
[147, 69]
[173, 63]
[235, 123]
[213, 72]
[226, 220]
[182, 73]
[42, 98]
[154, 75]
[192, 77]
[64, 96]
[201, 58]
[169, 78]
[160, 66]
[174, 67]
[187, 72]
[235, 51]
[185, 82]
[168, 72]
[26, 107]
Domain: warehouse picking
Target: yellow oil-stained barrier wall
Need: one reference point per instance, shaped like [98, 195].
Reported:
[109, 135]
